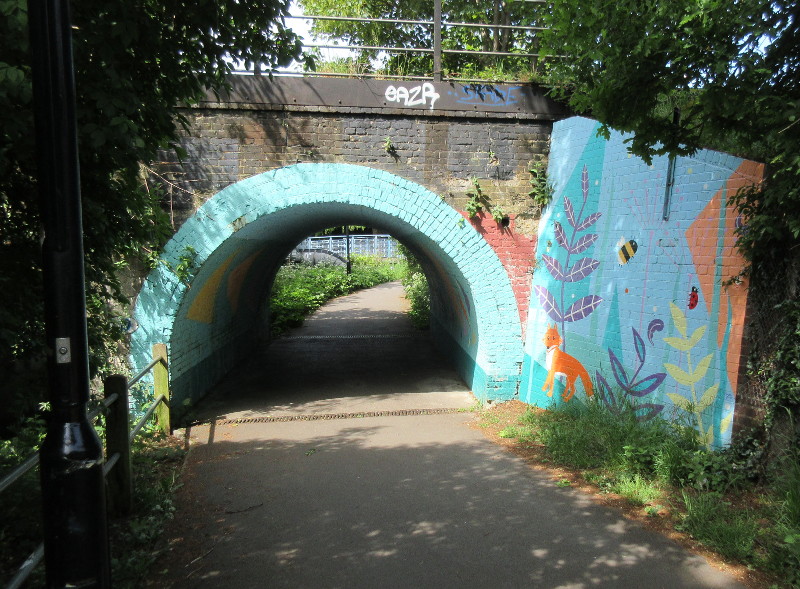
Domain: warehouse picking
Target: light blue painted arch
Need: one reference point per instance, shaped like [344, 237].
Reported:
[242, 234]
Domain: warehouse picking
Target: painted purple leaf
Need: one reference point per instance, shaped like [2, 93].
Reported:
[554, 266]
[583, 244]
[582, 308]
[581, 269]
[585, 183]
[655, 325]
[619, 370]
[604, 391]
[548, 303]
[638, 342]
[647, 411]
[588, 221]
[647, 385]
[561, 237]
[569, 210]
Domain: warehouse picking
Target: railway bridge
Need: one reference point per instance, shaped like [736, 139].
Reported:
[626, 262]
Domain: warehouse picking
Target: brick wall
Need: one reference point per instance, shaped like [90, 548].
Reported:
[643, 302]
[242, 234]
[442, 153]
[639, 300]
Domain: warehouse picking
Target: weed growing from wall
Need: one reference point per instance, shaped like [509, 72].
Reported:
[542, 190]
[478, 201]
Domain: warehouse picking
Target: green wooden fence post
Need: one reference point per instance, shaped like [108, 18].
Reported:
[119, 479]
[161, 386]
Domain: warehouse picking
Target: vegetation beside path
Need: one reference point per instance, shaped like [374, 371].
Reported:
[156, 461]
[301, 289]
[722, 504]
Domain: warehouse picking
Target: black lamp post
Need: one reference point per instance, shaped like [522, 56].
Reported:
[71, 457]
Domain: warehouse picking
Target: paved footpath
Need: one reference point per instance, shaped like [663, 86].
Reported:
[289, 484]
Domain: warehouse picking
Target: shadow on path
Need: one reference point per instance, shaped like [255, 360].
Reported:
[418, 501]
[358, 353]
[401, 502]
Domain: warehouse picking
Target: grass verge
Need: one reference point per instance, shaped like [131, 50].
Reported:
[658, 473]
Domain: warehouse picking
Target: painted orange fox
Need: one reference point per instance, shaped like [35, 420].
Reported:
[558, 362]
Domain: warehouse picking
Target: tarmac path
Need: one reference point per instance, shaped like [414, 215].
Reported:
[326, 463]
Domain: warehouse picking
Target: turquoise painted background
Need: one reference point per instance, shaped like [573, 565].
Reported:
[640, 300]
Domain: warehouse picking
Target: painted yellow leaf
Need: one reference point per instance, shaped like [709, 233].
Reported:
[679, 374]
[678, 343]
[678, 318]
[702, 368]
[698, 333]
[679, 401]
[708, 398]
[725, 423]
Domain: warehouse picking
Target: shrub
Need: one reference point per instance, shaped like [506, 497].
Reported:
[417, 291]
[301, 289]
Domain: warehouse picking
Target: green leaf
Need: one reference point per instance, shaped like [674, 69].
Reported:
[696, 336]
[707, 439]
[725, 423]
[678, 343]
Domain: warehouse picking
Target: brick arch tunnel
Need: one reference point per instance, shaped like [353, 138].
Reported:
[242, 235]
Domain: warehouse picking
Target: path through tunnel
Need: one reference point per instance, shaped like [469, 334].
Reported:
[357, 355]
[214, 321]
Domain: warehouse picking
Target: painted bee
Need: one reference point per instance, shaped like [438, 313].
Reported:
[627, 249]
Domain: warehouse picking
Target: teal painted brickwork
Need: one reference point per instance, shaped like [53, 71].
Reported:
[243, 233]
[639, 300]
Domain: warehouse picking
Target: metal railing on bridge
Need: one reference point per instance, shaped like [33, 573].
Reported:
[436, 48]
[117, 467]
[384, 246]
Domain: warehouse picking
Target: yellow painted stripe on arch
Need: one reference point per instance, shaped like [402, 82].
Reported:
[202, 307]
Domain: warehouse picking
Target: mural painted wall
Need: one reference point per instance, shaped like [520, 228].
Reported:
[633, 298]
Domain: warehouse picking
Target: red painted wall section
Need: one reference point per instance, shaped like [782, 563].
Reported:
[516, 253]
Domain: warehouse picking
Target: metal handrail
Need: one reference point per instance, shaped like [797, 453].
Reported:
[27, 567]
[373, 48]
[360, 19]
[504, 53]
[33, 459]
[144, 371]
[399, 21]
[487, 26]
[19, 470]
[30, 563]
[437, 50]
[146, 416]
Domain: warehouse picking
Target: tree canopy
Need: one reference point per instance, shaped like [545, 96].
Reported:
[730, 71]
[494, 12]
[136, 63]
[729, 67]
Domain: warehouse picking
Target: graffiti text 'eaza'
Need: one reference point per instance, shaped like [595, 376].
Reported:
[416, 96]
